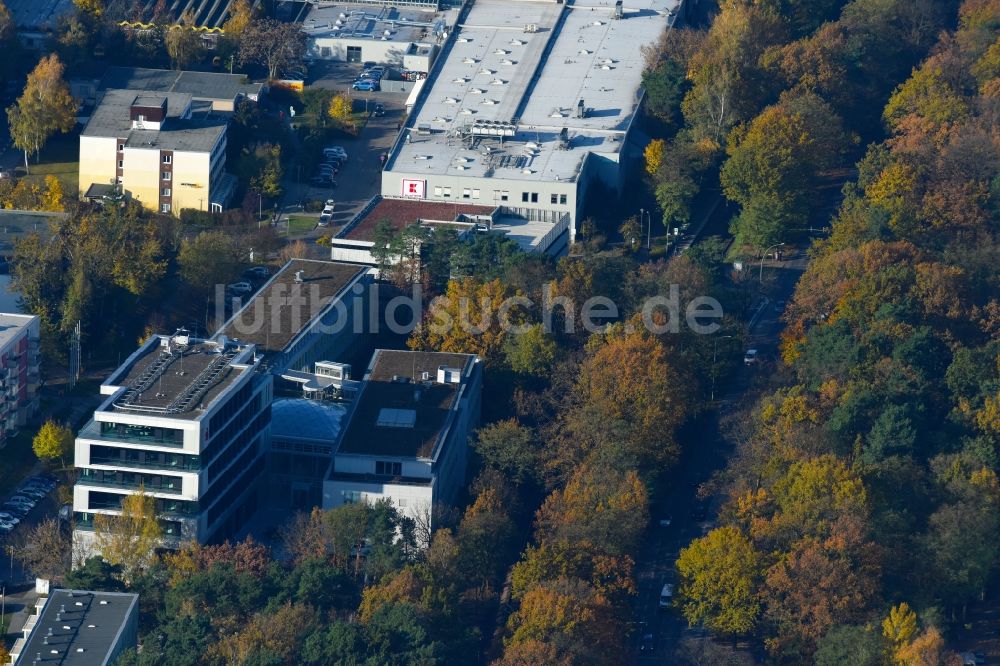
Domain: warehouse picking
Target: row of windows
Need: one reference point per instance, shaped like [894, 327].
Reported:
[226, 478]
[230, 408]
[113, 501]
[387, 468]
[159, 483]
[239, 443]
[246, 417]
[128, 432]
[499, 195]
[116, 455]
[224, 502]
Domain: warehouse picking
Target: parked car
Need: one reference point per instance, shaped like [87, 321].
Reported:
[11, 522]
[19, 510]
[368, 64]
[379, 110]
[6, 515]
[324, 219]
[647, 643]
[240, 287]
[34, 493]
[750, 357]
[327, 170]
[335, 153]
[365, 85]
[257, 272]
[667, 595]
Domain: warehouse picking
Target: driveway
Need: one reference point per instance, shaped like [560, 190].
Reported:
[705, 450]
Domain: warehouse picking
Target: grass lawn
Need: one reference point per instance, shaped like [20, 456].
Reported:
[61, 158]
[16, 459]
[298, 224]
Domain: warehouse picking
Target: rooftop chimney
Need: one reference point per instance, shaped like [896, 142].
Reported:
[618, 10]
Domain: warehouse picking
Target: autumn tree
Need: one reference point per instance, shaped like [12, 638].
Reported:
[43, 549]
[653, 156]
[719, 578]
[469, 319]
[53, 441]
[44, 108]
[52, 198]
[241, 14]
[273, 44]
[211, 258]
[341, 109]
[774, 163]
[129, 538]
[184, 44]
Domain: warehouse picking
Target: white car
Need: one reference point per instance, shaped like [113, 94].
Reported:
[667, 595]
[750, 357]
[240, 287]
[9, 521]
[324, 219]
[8, 517]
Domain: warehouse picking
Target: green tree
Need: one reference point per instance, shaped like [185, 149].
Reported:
[44, 108]
[631, 231]
[95, 574]
[184, 45]
[211, 258]
[850, 644]
[53, 441]
[719, 578]
[532, 352]
[511, 448]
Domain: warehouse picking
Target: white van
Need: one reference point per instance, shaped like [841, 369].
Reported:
[667, 595]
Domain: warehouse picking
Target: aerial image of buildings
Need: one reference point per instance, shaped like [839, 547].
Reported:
[508, 332]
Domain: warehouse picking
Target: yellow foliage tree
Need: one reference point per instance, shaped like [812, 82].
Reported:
[926, 650]
[52, 198]
[654, 156]
[340, 109]
[900, 627]
[130, 538]
[240, 14]
[53, 441]
[92, 8]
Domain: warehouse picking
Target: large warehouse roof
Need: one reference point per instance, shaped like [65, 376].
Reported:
[523, 68]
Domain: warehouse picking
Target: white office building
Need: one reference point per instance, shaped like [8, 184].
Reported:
[529, 105]
[407, 431]
[186, 420]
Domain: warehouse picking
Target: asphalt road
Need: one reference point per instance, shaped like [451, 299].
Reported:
[705, 451]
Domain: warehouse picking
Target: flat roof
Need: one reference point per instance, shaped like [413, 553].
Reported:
[498, 70]
[386, 404]
[111, 118]
[38, 14]
[11, 326]
[404, 24]
[86, 631]
[177, 377]
[283, 308]
[402, 212]
[214, 86]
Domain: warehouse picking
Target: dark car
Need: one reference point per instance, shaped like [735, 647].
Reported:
[646, 645]
[379, 110]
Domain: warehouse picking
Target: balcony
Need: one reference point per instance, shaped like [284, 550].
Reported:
[128, 434]
[177, 466]
[169, 487]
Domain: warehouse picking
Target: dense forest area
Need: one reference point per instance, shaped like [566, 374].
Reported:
[863, 510]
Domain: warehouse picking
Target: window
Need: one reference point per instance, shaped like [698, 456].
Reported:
[165, 192]
[447, 192]
[562, 198]
[351, 496]
[165, 208]
[121, 164]
[437, 191]
[119, 180]
[475, 193]
[121, 147]
[401, 502]
[534, 197]
[466, 193]
[166, 175]
[168, 159]
[524, 197]
[554, 198]
[386, 468]
[504, 195]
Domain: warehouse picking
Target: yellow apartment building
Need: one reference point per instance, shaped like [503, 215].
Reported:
[159, 148]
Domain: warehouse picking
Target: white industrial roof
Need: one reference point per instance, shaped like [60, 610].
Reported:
[407, 24]
[531, 62]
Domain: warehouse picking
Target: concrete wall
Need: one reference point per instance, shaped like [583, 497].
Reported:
[141, 176]
[190, 185]
[335, 48]
[98, 157]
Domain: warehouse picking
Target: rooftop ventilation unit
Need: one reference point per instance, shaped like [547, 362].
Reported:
[298, 277]
[581, 110]
[446, 375]
[517, 42]
[497, 82]
[460, 80]
[564, 139]
[617, 13]
[531, 28]
[450, 100]
[469, 61]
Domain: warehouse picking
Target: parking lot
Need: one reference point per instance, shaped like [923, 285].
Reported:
[360, 178]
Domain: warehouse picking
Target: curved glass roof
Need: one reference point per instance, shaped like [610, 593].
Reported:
[307, 419]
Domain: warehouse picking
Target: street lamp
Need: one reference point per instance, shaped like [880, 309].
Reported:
[649, 225]
[760, 277]
[715, 351]
[260, 209]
